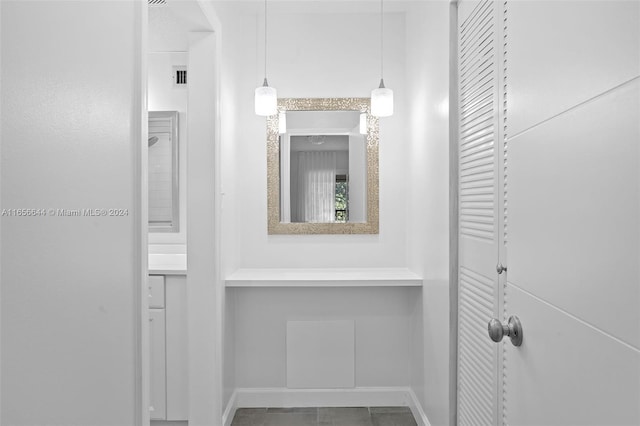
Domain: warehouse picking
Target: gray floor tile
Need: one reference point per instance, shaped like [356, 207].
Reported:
[324, 416]
[347, 422]
[329, 413]
[344, 416]
[249, 419]
[291, 419]
[353, 422]
[393, 419]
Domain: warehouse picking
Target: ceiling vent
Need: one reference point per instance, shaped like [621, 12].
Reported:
[157, 2]
[180, 76]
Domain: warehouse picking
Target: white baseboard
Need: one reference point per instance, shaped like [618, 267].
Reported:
[230, 410]
[356, 397]
[416, 409]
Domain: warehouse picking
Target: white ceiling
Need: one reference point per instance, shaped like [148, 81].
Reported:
[169, 25]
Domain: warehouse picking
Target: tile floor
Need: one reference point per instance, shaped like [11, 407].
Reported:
[324, 416]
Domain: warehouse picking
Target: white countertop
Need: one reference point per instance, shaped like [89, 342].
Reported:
[176, 264]
[324, 277]
[167, 264]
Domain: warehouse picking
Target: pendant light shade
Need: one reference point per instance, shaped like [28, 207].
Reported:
[382, 101]
[382, 98]
[266, 100]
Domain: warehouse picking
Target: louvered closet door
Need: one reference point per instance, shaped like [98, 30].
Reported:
[480, 228]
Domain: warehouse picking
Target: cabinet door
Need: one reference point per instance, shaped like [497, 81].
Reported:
[158, 376]
[156, 291]
[177, 354]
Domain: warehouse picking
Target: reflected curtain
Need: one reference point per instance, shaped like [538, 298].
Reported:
[316, 192]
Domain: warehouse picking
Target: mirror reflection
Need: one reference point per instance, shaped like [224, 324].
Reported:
[323, 170]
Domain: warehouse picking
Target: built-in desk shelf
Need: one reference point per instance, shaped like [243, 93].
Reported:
[324, 277]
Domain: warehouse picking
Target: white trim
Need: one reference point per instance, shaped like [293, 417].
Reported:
[453, 212]
[203, 286]
[355, 397]
[209, 397]
[417, 411]
[230, 410]
[0, 221]
[141, 221]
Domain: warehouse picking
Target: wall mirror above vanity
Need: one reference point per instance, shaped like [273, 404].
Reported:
[164, 208]
[322, 163]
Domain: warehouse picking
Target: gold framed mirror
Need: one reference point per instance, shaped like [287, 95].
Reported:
[322, 167]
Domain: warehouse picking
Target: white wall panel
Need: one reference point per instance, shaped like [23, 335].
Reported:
[382, 322]
[577, 176]
[320, 354]
[566, 52]
[427, 142]
[568, 373]
[71, 129]
[574, 209]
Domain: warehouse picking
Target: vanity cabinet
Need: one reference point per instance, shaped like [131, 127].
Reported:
[157, 365]
[168, 347]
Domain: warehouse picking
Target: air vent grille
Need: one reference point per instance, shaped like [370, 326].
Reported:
[179, 76]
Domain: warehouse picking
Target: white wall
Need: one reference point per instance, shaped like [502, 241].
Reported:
[163, 96]
[204, 289]
[428, 142]
[341, 63]
[71, 129]
[382, 323]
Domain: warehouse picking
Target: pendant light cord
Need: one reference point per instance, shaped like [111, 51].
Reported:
[381, 40]
[265, 40]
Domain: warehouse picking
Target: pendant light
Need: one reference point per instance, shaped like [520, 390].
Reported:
[382, 98]
[266, 98]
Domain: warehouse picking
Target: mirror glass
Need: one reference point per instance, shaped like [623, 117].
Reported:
[323, 168]
[163, 171]
[324, 154]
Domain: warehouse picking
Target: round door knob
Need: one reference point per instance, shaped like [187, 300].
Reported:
[513, 329]
[497, 330]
